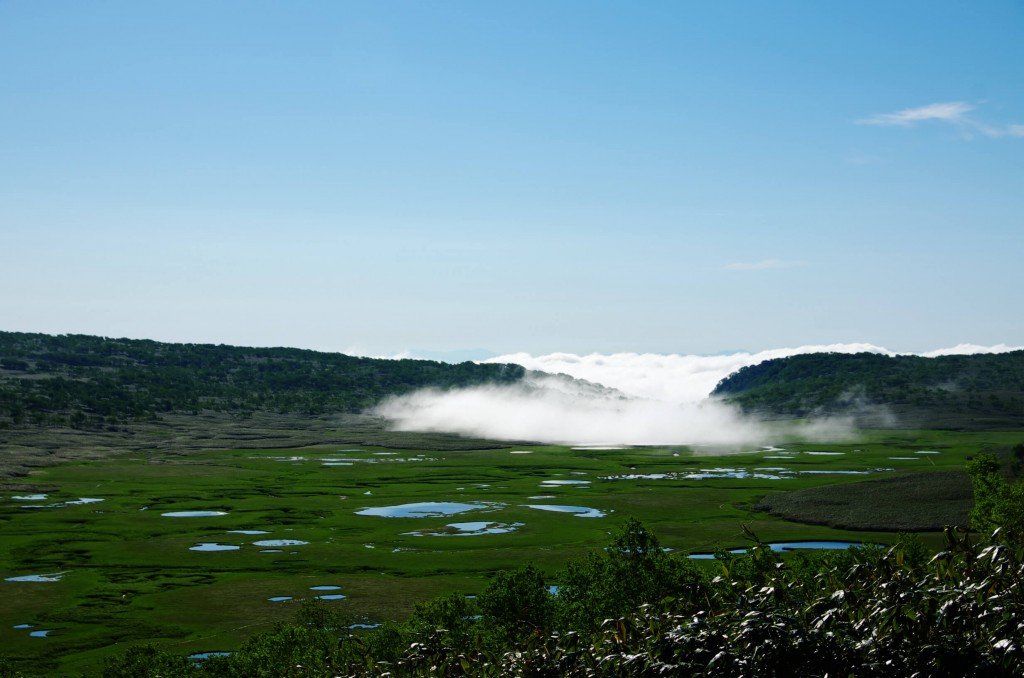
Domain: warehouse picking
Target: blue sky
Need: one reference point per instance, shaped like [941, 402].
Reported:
[574, 176]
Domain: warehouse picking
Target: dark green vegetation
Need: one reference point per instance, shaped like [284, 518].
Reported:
[94, 382]
[959, 392]
[130, 578]
[73, 397]
[918, 502]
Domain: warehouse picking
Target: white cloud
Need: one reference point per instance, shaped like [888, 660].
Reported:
[950, 112]
[547, 409]
[970, 349]
[632, 398]
[671, 378]
[764, 265]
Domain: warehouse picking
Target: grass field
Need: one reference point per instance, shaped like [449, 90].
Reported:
[129, 575]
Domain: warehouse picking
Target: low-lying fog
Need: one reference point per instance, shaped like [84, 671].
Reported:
[632, 399]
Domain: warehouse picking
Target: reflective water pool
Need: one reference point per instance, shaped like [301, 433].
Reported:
[426, 509]
[785, 546]
[214, 546]
[578, 511]
[280, 542]
[56, 576]
[468, 529]
[193, 514]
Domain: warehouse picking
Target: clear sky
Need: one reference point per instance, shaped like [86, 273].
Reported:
[514, 176]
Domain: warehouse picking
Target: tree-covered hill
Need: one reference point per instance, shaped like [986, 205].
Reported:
[87, 382]
[958, 391]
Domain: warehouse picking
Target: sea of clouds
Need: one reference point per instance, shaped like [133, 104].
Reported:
[631, 399]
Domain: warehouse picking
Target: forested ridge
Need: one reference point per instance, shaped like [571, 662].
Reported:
[88, 381]
[957, 391]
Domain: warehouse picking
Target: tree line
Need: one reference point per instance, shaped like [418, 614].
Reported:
[87, 381]
[958, 391]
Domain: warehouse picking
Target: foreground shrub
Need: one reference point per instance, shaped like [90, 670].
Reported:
[865, 612]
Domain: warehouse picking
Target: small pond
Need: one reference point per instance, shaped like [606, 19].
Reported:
[578, 511]
[427, 509]
[788, 546]
[332, 596]
[468, 529]
[193, 514]
[214, 546]
[279, 542]
[56, 576]
[42, 633]
[557, 483]
[248, 532]
[279, 599]
[325, 587]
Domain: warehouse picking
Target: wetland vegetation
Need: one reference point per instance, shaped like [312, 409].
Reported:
[213, 541]
[120, 572]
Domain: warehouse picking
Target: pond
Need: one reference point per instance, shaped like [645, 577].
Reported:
[558, 483]
[468, 529]
[427, 509]
[214, 546]
[325, 587]
[280, 542]
[193, 514]
[248, 532]
[789, 546]
[332, 596]
[279, 599]
[56, 576]
[42, 633]
[578, 511]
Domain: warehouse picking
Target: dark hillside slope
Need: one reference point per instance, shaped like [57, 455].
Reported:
[961, 391]
[88, 382]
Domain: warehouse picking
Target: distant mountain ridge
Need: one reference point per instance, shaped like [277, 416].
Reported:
[87, 381]
[952, 391]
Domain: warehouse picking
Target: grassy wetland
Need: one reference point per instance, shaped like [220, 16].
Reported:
[120, 572]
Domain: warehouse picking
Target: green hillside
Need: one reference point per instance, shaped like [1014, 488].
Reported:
[89, 382]
[961, 391]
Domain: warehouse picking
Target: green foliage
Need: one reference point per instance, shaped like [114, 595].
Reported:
[453, 616]
[516, 603]
[288, 650]
[146, 662]
[960, 391]
[88, 382]
[998, 503]
[633, 570]
[865, 612]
